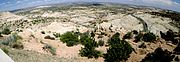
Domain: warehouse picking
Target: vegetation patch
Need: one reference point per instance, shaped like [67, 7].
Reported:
[149, 37]
[177, 49]
[101, 43]
[138, 37]
[70, 38]
[170, 36]
[175, 16]
[5, 50]
[6, 31]
[90, 52]
[159, 55]
[50, 49]
[89, 46]
[128, 35]
[57, 35]
[119, 50]
[37, 21]
[49, 37]
[13, 41]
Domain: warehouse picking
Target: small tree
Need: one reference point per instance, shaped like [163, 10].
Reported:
[6, 31]
[69, 38]
[135, 32]
[90, 52]
[159, 55]
[128, 35]
[114, 39]
[119, 50]
[149, 37]
[89, 47]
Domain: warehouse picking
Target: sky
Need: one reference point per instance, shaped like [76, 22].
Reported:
[6, 5]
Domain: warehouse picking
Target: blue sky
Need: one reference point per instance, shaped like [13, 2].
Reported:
[6, 5]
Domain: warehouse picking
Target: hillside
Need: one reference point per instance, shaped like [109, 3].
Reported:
[39, 28]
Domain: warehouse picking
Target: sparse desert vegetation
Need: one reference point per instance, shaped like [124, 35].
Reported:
[91, 32]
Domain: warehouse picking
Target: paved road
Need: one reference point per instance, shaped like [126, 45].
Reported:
[145, 26]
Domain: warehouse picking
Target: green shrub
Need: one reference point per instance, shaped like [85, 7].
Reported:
[13, 41]
[101, 42]
[114, 39]
[138, 37]
[49, 48]
[69, 38]
[57, 35]
[5, 50]
[159, 55]
[119, 50]
[92, 34]
[17, 45]
[170, 36]
[90, 52]
[85, 38]
[6, 31]
[149, 37]
[127, 36]
[89, 47]
[88, 41]
[9, 40]
[135, 32]
[49, 37]
[37, 21]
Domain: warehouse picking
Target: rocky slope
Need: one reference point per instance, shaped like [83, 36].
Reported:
[103, 17]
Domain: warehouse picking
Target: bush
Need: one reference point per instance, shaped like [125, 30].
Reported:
[170, 36]
[69, 38]
[13, 41]
[177, 49]
[89, 47]
[92, 34]
[159, 55]
[114, 39]
[138, 37]
[49, 37]
[127, 36]
[5, 50]
[149, 37]
[142, 45]
[49, 48]
[57, 35]
[6, 31]
[90, 52]
[119, 50]
[101, 42]
[86, 39]
[17, 45]
[135, 32]
[176, 59]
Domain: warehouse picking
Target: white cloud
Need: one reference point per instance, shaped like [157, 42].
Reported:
[18, 2]
[47, 0]
[160, 2]
[164, 2]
